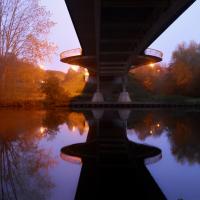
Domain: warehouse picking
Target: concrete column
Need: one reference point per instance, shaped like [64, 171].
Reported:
[124, 95]
[97, 97]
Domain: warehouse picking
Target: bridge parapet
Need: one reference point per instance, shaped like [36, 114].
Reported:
[153, 52]
[70, 53]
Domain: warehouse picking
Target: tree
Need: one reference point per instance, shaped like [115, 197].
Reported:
[53, 90]
[24, 25]
[185, 68]
[74, 82]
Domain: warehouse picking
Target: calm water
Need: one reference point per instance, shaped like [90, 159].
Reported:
[33, 167]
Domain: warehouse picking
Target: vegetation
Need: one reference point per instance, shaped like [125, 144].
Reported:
[20, 82]
[179, 79]
[53, 91]
[25, 84]
[24, 26]
[74, 82]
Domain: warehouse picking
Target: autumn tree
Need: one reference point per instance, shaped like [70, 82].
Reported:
[53, 90]
[74, 82]
[185, 68]
[24, 26]
[180, 77]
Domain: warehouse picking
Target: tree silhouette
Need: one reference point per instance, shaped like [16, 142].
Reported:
[24, 26]
[185, 68]
[53, 90]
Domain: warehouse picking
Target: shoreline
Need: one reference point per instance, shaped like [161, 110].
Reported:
[134, 104]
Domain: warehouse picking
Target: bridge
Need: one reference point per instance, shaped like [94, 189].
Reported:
[115, 36]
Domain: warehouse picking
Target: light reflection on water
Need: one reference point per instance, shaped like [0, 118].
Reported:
[31, 142]
[30, 154]
[178, 172]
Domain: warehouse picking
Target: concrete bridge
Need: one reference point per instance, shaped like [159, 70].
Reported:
[115, 35]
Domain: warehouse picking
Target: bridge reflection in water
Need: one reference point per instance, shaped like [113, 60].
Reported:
[113, 167]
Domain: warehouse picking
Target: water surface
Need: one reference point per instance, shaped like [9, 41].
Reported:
[32, 166]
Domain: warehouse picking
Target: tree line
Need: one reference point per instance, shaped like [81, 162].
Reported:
[180, 77]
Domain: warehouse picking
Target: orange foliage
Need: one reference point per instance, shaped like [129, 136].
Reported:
[78, 121]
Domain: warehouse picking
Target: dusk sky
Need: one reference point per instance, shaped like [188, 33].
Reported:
[184, 29]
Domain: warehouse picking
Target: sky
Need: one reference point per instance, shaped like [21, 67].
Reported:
[185, 29]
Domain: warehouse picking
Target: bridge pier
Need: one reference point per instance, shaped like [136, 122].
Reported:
[124, 96]
[97, 97]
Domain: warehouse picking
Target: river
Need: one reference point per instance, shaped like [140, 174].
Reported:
[99, 154]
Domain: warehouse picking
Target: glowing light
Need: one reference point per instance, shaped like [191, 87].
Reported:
[87, 74]
[151, 132]
[43, 130]
[41, 66]
[75, 67]
[73, 129]
[152, 65]
[158, 70]
[158, 125]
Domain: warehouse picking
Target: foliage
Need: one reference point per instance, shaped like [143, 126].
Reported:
[185, 69]
[53, 90]
[74, 82]
[181, 77]
[20, 81]
[24, 26]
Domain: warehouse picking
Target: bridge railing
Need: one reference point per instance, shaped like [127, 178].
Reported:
[153, 52]
[71, 53]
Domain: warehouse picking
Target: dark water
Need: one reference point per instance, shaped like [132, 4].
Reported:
[111, 163]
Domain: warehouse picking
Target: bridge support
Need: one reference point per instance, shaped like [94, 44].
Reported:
[124, 96]
[97, 97]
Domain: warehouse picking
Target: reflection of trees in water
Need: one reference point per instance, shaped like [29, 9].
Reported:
[74, 120]
[185, 138]
[77, 121]
[182, 130]
[23, 165]
[146, 124]
[52, 120]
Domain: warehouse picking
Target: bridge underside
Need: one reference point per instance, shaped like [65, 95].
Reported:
[114, 34]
